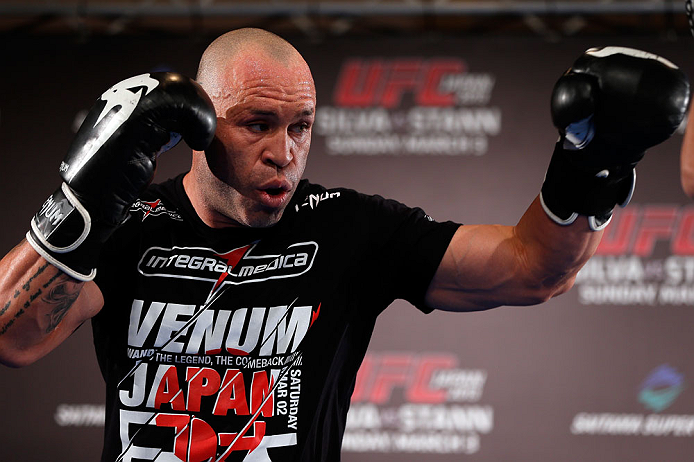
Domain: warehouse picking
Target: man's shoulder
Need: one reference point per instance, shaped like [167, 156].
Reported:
[163, 198]
[310, 195]
[170, 187]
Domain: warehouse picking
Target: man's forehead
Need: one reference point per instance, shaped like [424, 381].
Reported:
[274, 107]
[252, 81]
[251, 69]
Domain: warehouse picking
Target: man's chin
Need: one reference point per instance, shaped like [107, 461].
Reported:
[264, 218]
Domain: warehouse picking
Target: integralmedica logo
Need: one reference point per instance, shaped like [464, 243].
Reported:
[661, 388]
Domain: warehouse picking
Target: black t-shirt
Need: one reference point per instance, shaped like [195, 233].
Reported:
[242, 343]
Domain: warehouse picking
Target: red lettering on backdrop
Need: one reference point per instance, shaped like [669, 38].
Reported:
[383, 83]
[683, 244]
[363, 376]
[429, 94]
[393, 370]
[637, 230]
[358, 83]
[404, 75]
[203, 441]
[657, 222]
[380, 375]
[617, 236]
[420, 391]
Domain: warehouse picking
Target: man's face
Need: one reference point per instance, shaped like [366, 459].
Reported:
[265, 113]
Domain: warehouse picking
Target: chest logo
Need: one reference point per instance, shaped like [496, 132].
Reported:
[237, 266]
[154, 208]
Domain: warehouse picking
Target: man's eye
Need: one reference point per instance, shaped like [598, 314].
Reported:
[300, 128]
[258, 126]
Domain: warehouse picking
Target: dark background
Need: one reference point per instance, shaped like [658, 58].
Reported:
[543, 365]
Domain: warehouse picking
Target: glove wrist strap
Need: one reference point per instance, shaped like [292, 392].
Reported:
[63, 233]
[571, 188]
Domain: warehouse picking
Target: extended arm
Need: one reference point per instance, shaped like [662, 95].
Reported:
[491, 265]
[612, 105]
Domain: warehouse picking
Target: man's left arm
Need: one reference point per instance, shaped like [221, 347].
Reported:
[486, 266]
[609, 107]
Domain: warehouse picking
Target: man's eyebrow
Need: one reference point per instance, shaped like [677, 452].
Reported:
[263, 112]
[270, 113]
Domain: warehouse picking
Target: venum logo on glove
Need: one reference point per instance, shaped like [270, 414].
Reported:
[601, 52]
[124, 95]
[54, 211]
[112, 160]
[54, 214]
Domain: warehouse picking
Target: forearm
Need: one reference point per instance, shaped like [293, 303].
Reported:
[592, 170]
[35, 300]
[486, 266]
[554, 253]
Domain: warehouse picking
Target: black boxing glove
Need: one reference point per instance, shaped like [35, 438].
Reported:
[112, 160]
[609, 107]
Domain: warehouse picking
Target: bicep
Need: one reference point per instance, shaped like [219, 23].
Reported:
[490, 265]
[483, 267]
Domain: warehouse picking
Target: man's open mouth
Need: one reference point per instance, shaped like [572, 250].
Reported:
[274, 191]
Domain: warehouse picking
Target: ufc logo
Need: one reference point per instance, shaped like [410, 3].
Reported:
[381, 82]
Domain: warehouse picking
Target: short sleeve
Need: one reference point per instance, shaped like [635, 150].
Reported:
[407, 246]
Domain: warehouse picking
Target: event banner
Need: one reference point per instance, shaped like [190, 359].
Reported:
[461, 127]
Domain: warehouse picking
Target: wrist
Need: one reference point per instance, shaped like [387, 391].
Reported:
[65, 234]
[575, 186]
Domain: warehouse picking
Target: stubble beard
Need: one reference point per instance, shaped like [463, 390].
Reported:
[235, 209]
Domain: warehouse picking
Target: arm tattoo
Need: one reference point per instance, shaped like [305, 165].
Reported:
[62, 294]
[25, 287]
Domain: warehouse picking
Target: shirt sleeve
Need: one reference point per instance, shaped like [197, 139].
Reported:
[407, 246]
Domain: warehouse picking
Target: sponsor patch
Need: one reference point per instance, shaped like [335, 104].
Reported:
[237, 266]
[154, 208]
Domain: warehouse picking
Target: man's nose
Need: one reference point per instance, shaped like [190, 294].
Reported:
[279, 151]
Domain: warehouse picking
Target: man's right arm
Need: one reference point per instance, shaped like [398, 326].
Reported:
[46, 288]
[40, 306]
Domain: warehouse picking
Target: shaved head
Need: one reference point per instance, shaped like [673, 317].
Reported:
[265, 100]
[244, 48]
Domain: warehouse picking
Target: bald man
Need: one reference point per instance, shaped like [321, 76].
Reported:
[262, 89]
[230, 310]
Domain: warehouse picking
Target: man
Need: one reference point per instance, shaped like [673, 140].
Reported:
[230, 315]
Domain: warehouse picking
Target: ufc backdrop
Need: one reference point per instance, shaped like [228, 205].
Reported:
[461, 128]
